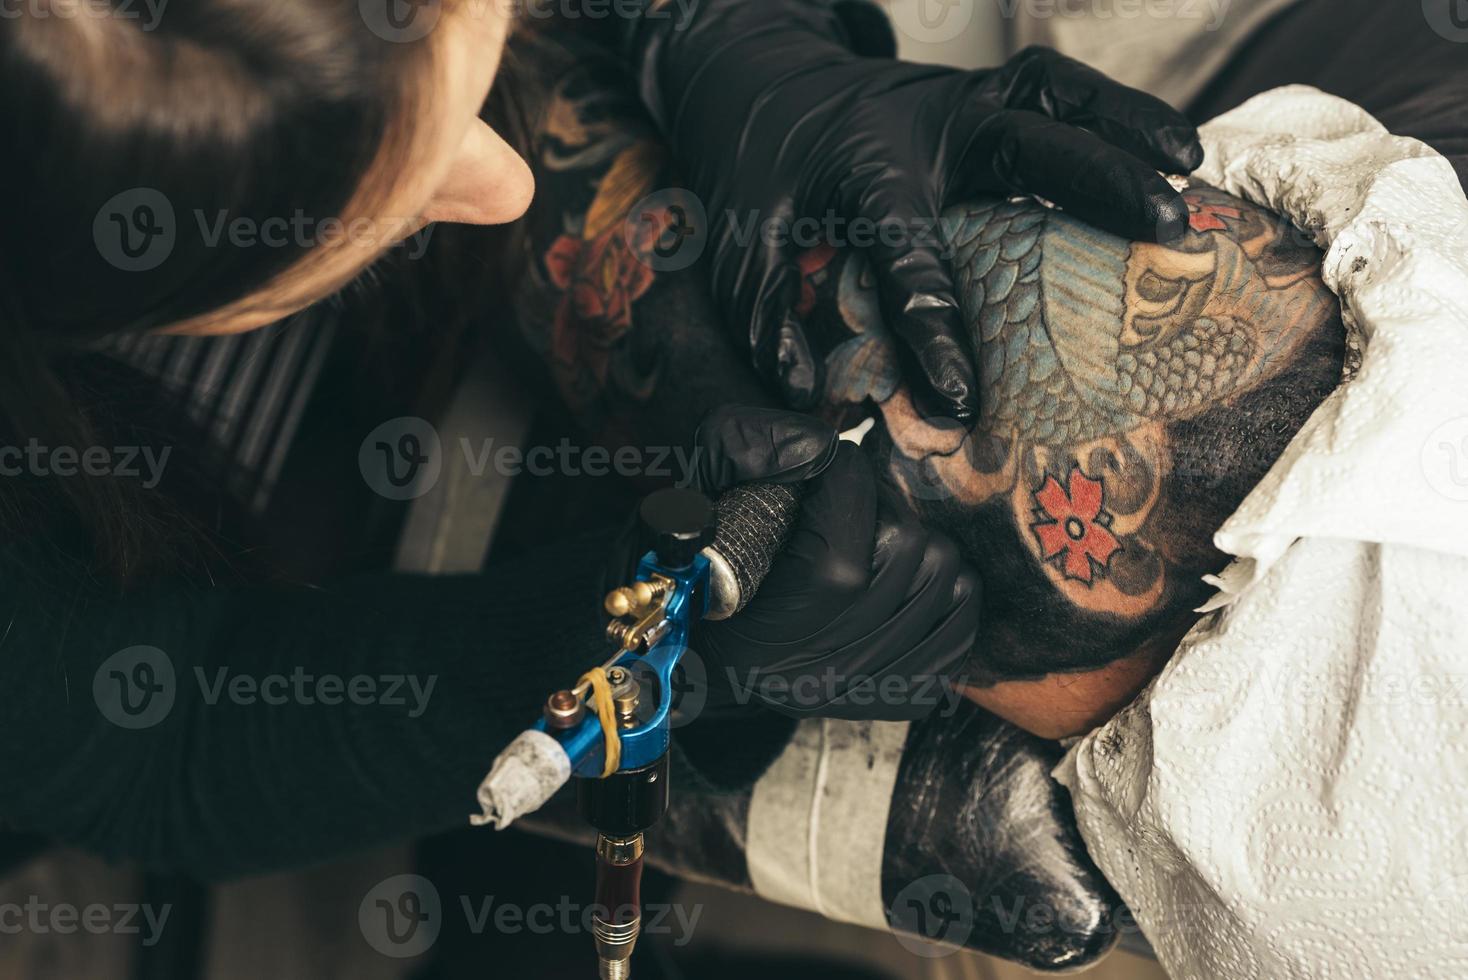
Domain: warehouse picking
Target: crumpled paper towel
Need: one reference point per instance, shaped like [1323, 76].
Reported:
[1289, 798]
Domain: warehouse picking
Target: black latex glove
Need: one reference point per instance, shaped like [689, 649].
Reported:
[865, 613]
[770, 112]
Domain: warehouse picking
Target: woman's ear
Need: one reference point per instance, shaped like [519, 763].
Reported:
[487, 184]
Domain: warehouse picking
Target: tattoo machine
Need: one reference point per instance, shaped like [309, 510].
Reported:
[612, 729]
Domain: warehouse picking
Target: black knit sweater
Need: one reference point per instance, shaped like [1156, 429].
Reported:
[331, 708]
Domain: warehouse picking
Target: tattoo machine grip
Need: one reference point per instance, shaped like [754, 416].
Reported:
[753, 523]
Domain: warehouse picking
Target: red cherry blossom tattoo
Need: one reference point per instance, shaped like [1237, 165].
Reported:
[1073, 527]
[1203, 216]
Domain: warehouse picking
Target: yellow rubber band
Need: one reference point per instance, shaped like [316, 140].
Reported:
[606, 713]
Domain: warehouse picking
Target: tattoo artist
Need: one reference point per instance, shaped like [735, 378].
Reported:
[783, 107]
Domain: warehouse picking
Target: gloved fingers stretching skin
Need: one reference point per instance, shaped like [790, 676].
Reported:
[861, 593]
[775, 118]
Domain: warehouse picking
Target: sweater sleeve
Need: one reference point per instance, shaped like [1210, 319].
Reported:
[224, 731]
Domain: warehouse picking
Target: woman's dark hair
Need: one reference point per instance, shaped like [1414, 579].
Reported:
[131, 147]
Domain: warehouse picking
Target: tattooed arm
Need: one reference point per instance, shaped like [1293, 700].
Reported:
[1133, 394]
[610, 304]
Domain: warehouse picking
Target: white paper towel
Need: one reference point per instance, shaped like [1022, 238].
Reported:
[1289, 799]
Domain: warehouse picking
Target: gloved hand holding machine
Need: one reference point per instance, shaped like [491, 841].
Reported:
[612, 729]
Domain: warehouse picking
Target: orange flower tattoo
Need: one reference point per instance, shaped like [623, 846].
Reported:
[1075, 529]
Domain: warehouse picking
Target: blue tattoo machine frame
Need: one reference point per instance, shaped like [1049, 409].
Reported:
[612, 729]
